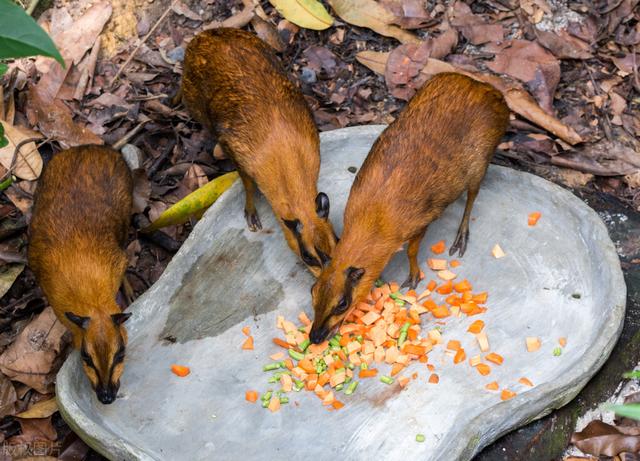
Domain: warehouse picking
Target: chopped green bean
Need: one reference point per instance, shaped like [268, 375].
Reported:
[420, 438]
[296, 355]
[267, 395]
[271, 366]
[379, 283]
[360, 339]
[284, 399]
[339, 387]
[363, 366]
[351, 388]
[304, 344]
[557, 352]
[386, 379]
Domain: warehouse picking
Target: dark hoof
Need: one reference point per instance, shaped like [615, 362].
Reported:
[460, 244]
[253, 221]
[411, 282]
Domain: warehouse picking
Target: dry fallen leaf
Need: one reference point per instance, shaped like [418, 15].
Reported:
[409, 14]
[599, 438]
[563, 45]
[41, 409]
[374, 60]
[268, 33]
[309, 14]
[8, 274]
[474, 27]
[8, 397]
[31, 359]
[28, 162]
[180, 8]
[370, 14]
[141, 190]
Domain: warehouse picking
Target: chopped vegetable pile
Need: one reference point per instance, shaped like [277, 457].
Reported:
[380, 338]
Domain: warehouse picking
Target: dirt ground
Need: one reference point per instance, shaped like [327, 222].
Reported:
[575, 61]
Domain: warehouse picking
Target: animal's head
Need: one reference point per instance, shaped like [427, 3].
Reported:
[311, 235]
[333, 296]
[102, 349]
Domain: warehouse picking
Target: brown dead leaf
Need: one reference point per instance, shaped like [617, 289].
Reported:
[529, 62]
[8, 397]
[563, 45]
[370, 14]
[41, 409]
[141, 190]
[54, 120]
[28, 162]
[180, 8]
[8, 274]
[374, 60]
[268, 33]
[34, 430]
[603, 158]
[320, 59]
[409, 14]
[474, 27]
[31, 359]
[194, 178]
[600, 438]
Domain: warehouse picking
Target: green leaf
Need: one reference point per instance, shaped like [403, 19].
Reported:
[631, 374]
[3, 69]
[21, 36]
[309, 14]
[630, 410]
[3, 141]
[193, 204]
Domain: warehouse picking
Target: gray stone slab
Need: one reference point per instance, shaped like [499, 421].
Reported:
[225, 277]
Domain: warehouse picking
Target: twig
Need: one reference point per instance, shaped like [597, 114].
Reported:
[635, 70]
[32, 6]
[127, 137]
[140, 43]
[88, 71]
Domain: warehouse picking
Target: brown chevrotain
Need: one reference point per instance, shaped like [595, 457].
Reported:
[79, 226]
[235, 86]
[439, 147]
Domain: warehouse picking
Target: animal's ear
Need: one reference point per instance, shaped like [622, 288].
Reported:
[322, 205]
[294, 225]
[82, 322]
[119, 319]
[354, 274]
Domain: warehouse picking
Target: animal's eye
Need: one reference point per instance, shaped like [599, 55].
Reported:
[341, 307]
[308, 259]
[324, 259]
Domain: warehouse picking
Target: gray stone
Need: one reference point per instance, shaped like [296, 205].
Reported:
[207, 294]
[176, 55]
[133, 156]
[308, 75]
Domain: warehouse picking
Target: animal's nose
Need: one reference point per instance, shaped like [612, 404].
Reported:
[106, 395]
[318, 335]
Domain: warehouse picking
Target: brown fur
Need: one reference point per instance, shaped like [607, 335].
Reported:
[439, 147]
[235, 86]
[79, 227]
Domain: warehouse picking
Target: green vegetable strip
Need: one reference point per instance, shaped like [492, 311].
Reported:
[339, 387]
[304, 344]
[271, 366]
[351, 388]
[403, 334]
[284, 399]
[557, 352]
[296, 355]
[420, 438]
[386, 379]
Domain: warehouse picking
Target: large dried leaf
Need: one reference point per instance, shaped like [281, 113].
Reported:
[409, 14]
[603, 158]
[8, 274]
[563, 45]
[28, 162]
[530, 63]
[34, 431]
[193, 204]
[8, 397]
[600, 438]
[141, 190]
[474, 27]
[374, 60]
[370, 14]
[41, 409]
[309, 14]
[31, 359]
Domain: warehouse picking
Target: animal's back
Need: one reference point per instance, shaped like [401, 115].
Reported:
[80, 215]
[234, 84]
[439, 145]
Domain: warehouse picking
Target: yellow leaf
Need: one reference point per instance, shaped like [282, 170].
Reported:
[194, 204]
[28, 162]
[309, 14]
[374, 60]
[370, 14]
[42, 409]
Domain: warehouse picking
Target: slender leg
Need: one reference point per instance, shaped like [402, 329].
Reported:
[414, 268]
[129, 294]
[250, 212]
[460, 244]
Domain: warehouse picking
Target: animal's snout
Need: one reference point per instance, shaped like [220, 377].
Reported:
[107, 395]
[319, 334]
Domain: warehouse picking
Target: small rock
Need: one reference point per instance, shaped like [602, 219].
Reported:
[176, 55]
[308, 75]
[133, 156]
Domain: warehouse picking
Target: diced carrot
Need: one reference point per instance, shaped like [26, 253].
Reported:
[434, 336]
[286, 382]
[495, 358]
[434, 378]
[337, 404]
[438, 248]
[248, 344]
[430, 367]
[318, 349]
[562, 342]
[446, 275]
[403, 380]
[368, 373]
[412, 349]
[483, 369]
[475, 360]
[180, 370]
[480, 298]
[307, 365]
[414, 376]
[507, 394]
[453, 300]
[370, 317]
[251, 396]
[437, 264]
[533, 218]
[476, 327]
[525, 381]
[467, 296]
[277, 356]
[463, 286]
[477, 310]
[533, 344]
[460, 356]
[274, 404]
[394, 286]
[497, 252]
[453, 345]
[423, 359]
[246, 330]
[432, 285]
[483, 341]
[323, 379]
[337, 378]
[281, 343]
[302, 316]
[412, 334]
[396, 368]
[288, 363]
[441, 312]
[455, 263]
[446, 288]
[492, 386]
[468, 307]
